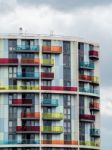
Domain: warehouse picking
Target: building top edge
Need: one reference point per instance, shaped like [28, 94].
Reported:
[45, 36]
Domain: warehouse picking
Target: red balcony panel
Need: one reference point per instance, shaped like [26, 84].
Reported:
[8, 60]
[94, 54]
[94, 105]
[21, 101]
[85, 77]
[47, 75]
[87, 117]
[27, 128]
[59, 88]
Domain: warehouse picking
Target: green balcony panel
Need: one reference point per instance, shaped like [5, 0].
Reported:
[87, 65]
[52, 129]
[90, 143]
[95, 132]
[88, 90]
[27, 75]
[55, 116]
[50, 102]
[28, 47]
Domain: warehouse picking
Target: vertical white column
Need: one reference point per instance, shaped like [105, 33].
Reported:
[77, 62]
[40, 59]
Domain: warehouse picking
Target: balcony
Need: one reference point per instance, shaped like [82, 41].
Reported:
[27, 75]
[90, 143]
[88, 90]
[94, 54]
[52, 116]
[30, 115]
[21, 87]
[29, 61]
[52, 129]
[52, 142]
[27, 48]
[95, 106]
[73, 142]
[86, 65]
[88, 78]
[27, 129]
[95, 132]
[9, 61]
[47, 62]
[87, 118]
[21, 102]
[52, 49]
[60, 142]
[95, 79]
[50, 102]
[47, 75]
[59, 88]
[25, 141]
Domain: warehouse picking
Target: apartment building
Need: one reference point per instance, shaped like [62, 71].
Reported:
[49, 93]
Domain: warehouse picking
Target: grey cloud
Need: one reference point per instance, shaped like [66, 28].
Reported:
[7, 6]
[106, 132]
[66, 4]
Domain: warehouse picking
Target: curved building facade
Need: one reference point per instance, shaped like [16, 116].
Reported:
[49, 93]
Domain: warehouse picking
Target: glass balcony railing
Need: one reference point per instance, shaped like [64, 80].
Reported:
[27, 47]
[95, 132]
[34, 61]
[94, 54]
[31, 129]
[90, 143]
[50, 102]
[86, 65]
[59, 88]
[22, 141]
[88, 90]
[27, 75]
[52, 115]
[20, 102]
[93, 79]
[62, 142]
[51, 49]
[52, 129]
[94, 106]
[21, 87]
[87, 117]
[30, 115]
[47, 75]
[47, 62]
[6, 61]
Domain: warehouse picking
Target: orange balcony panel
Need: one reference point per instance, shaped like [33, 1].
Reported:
[61, 142]
[30, 115]
[30, 61]
[52, 142]
[94, 105]
[74, 142]
[52, 49]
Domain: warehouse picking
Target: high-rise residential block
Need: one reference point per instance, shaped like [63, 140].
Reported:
[49, 93]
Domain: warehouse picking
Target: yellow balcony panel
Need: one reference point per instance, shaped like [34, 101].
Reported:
[95, 79]
[52, 129]
[89, 143]
[47, 61]
[52, 116]
[22, 87]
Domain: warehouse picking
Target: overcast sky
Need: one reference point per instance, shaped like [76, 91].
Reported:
[90, 19]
